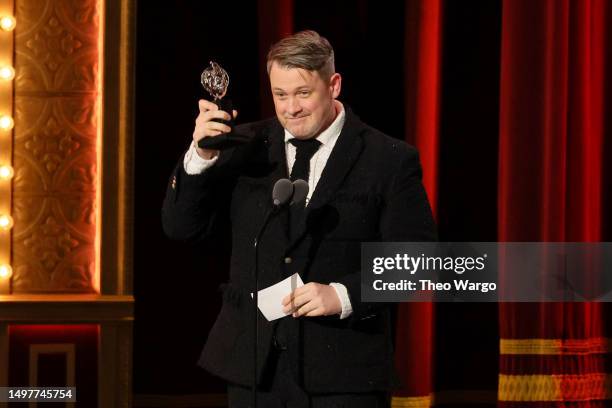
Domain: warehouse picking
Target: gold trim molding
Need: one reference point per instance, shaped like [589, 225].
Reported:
[116, 150]
[564, 387]
[66, 309]
[597, 345]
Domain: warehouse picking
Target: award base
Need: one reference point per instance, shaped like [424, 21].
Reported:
[227, 106]
[226, 140]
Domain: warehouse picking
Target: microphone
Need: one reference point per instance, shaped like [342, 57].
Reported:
[300, 191]
[282, 191]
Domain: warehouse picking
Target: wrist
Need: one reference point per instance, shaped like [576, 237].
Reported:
[207, 154]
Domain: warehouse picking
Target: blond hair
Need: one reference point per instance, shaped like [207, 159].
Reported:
[307, 50]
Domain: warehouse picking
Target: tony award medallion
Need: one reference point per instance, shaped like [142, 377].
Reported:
[216, 81]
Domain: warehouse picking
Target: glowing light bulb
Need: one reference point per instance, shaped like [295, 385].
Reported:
[6, 122]
[6, 172]
[7, 23]
[6, 222]
[5, 271]
[7, 73]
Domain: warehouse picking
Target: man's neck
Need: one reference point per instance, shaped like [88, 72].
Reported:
[336, 109]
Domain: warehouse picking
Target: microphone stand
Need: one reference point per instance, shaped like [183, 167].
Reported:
[278, 202]
[256, 300]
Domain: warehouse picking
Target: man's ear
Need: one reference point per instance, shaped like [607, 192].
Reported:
[335, 84]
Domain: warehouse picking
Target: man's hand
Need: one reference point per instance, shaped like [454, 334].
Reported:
[312, 299]
[205, 126]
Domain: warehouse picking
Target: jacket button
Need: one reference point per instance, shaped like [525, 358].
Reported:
[174, 183]
[288, 260]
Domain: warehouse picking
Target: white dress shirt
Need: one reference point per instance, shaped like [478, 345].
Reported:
[194, 164]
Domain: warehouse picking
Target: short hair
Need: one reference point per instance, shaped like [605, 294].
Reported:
[307, 50]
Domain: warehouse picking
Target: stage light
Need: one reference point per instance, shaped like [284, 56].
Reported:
[7, 23]
[5, 271]
[6, 122]
[6, 222]
[7, 73]
[6, 172]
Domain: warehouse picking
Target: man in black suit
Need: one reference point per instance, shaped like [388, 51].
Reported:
[331, 349]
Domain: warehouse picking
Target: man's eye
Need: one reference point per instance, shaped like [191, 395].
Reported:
[304, 93]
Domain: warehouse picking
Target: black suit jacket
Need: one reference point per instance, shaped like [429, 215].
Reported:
[370, 190]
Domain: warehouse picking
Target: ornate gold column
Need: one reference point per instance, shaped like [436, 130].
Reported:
[55, 161]
[72, 189]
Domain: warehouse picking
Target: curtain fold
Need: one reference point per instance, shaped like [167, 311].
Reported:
[550, 189]
[414, 328]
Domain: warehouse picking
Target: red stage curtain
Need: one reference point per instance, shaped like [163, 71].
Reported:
[275, 21]
[414, 329]
[550, 189]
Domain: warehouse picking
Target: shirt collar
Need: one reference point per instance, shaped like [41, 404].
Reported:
[332, 132]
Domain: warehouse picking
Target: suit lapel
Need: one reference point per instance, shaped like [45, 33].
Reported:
[278, 159]
[276, 152]
[344, 154]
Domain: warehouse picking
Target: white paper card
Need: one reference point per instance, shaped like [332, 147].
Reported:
[269, 299]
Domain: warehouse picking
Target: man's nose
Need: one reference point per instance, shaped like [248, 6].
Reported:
[293, 106]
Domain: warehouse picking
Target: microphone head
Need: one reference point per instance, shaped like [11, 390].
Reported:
[300, 191]
[282, 192]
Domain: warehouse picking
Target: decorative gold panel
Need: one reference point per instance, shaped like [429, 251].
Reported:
[56, 127]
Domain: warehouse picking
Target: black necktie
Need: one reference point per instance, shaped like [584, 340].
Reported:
[305, 149]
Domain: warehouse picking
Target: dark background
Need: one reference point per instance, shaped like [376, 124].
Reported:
[176, 284]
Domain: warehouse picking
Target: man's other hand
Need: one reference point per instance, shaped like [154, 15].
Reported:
[312, 299]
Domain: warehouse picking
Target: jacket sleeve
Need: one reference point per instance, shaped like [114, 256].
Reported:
[405, 217]
[193, 202]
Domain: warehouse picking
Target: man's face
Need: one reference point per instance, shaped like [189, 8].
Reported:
[304, 102]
